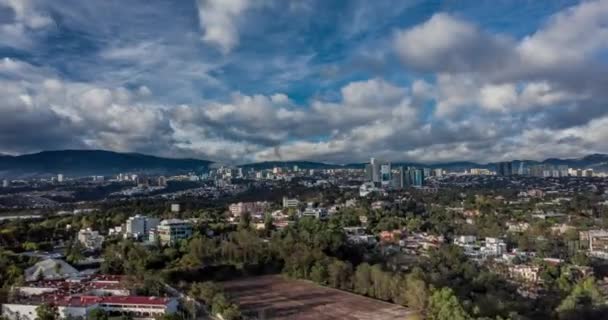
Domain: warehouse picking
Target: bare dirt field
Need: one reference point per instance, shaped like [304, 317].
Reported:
[275, 297]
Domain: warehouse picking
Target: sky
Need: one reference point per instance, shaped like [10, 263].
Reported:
[324, 80]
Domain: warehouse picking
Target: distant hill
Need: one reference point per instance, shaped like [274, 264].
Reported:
[89, 162]
[598, 162]
[290, 164]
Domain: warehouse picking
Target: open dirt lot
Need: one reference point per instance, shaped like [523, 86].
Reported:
[275, 297]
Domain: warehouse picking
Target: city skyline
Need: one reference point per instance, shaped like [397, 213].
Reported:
[336, 82]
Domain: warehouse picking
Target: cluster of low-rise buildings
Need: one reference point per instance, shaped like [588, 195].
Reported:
[481, 249]
[152, 229]
[77, 297]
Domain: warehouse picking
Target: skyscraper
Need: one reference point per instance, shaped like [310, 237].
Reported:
[418, 180]
[504, 169]
[375, 170]
[385, 174]
[369, 172]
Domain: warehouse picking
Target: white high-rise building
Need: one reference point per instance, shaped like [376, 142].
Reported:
[60, 177]
[438, 172]
[139, 226]
[5, 183]
[385, 174]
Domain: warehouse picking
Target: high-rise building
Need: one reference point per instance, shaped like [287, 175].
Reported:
[438, 172]
[142, 181]
[417, 177]
[375, 170]
[406, 178]
[426, 172]
[60, 178]
[504, 169]
[5, 183]
[162, 181]
[140, 226]
[369, 172]
[385, 174]
[521, 171]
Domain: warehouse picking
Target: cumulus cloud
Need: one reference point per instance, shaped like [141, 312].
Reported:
[474, 94]
[219, 21]
[447, 44]
[20, 20]
[572, 36]
[58, 113]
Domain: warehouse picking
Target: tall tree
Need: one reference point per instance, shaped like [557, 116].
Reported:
[444, 305]
[47, 311]
[585, 301]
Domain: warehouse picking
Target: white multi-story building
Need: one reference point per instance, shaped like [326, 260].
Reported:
[318, 213]
[175, 207]
[493, 247]
[290, 203]
[90, 239]
[367, 188]
[60, 177]
[527, 273]
[173, 230]
[139, 226]
[596, 241]
[465, 240]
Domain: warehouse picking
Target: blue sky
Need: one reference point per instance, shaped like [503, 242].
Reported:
[336, 81]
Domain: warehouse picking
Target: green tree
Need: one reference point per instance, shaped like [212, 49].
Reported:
[268, 224]
[444, 305]
[232, 312]
[29, 246]
[340, 274]
[219, 303]
[245, 221]
[205, 291]
[416, 293]
[47, 311]
[97, 314]
[318, 273]
[362, 280]
[583, 302]
[74, 252]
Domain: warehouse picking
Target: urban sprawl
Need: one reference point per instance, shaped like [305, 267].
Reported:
[516, 241]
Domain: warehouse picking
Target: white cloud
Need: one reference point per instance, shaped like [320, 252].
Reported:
[447, 44]
[498, 97]
[219, 20]
[26, 20]
[570, 37]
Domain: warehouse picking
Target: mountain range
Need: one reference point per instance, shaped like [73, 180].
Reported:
[100, 162]
[93, 162]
